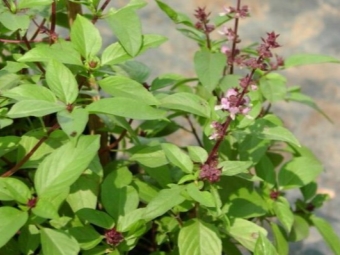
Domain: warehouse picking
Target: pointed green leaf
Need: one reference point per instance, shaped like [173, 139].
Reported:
[299, 172]
[86, 236]
[15, 22]
[199, 238]
[203, 197]
[186, 102]
[176, 17]
[30, 92]
[68, 163]
[328, 233]
[73, 123]
[23, 4]
[150, 156]
[234, 167]
[127, 27]
[246, 232]
[45, 209]
[62, 52]
[163, 202]
[178, 157]
[281, 242]
[17, 189]
[95, 217]
[264, 246]
[125, 107]
[62, 82]
[300, 229]
[8, 143]
[284, 213]
[29, 239]
[114, 54]
[35, 108]
[273, 87]
[85, 37]
[57, 242]
[197, 154]
[209, 68]
[308, 59]
[120, 86]
[11, 221]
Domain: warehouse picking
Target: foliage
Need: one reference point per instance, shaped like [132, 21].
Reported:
[86, 160]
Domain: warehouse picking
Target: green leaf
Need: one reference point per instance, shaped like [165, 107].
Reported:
[16, 189]
[128, 221]
[163, 202]
[152, 157]
[125, 107]
[230, 81]
[135, 70]
[197, 154]
[209, 68]
[186, 102]
[86, 236]
[30, 92]
[29, 239]
[246, 207]
[273, 87]
[15, 22]
[23, 4]
[62, 82]
[234, 167]
[95, 217]
[85, 37]
[35, 108]
[328, 233]
[284, 213]
[199, 238]
[246, 232]
[114, 54]
[11, 221]
[68, 164]
[281, 242]
[152, 41]
[299, 172]
[300, 229]
[57, 242]
[63, 52]
[126, 26]
[120, 86]
[46, 209]
[145, 190]
[205, 198]
[73, 123]
[264, 246]
[266, 171]
[297, 96]
[176, 17]
[308, 191]
[308, 59]
[177, 157]
[8, 143]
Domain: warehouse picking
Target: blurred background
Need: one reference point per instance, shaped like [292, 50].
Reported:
[305, 26]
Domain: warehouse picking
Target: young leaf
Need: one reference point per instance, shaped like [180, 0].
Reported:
[203, 197]
[281, 242]
[273, 87]
[246, 232]
[85, 37]
[120, 86]
[187, 102]
[308, 59]
[73, 123]
[234, 167]
[299, 172]
[125, 107]
[95, 217]
[209, 68]
[58, 242]
[11, 221]
[30, 92]
[177, 157]
[68, 163]
[300, 229]
[127, 27]
[17, 189]
[197, 154]
[176, 17]
[284, 213]
[163, 202]
[35, 108]
[328, 233]
[62, 82]
[264, 246]
[199, 238]
[86, 236]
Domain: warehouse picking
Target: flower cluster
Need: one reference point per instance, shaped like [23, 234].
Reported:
[234, 103]
[203, 21]
[210, 171]
[238, 13]
[113, 237]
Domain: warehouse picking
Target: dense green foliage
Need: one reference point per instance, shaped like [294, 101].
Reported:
[86, 162]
